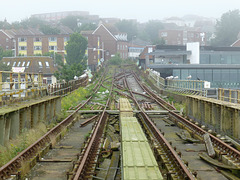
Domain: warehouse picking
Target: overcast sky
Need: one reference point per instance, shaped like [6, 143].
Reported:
[142, 10]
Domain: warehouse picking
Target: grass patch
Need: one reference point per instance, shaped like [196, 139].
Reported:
[74, 98]
[14, 147]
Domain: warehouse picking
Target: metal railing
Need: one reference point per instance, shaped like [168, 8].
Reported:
[64, 88]
[20, 85]
[187, 86]
[229, 95]
[179, 86]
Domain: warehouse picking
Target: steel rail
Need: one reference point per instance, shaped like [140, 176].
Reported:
[93, 145]
[13, 165]
[161, 139]
[144, 87]
[218, 143]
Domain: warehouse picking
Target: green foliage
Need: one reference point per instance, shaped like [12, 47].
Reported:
[74, 98]
[227, 29]
[5, 25]
[76, 60]
[116, 60]
[152, 29]
[68, 71]
[76, 48]
[58, 58]
[5, 53]
[159, 41]
[48, 30]
[127, 26]
[86, 27]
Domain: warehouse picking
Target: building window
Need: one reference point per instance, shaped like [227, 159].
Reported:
[19, 63]
[28, 63]
[52, 48]
[37, 39]
[47, 63]
[118, 46]
[163, 34]
[23, 63]
[37, 47]
[14, 63]
[197, 35]
[6, 39]
[6, 47]
[40, 64]
[52, 39]
[66, 39]
[22, 39]
[22, 48]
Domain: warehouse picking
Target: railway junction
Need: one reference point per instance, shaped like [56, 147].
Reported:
[125, 128]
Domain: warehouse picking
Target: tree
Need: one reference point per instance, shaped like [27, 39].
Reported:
[5, 53]
[227, 29]
[86, 27]
[152, 29]
[47, 29]
[76, 48]
[58, 58]
[76, 60]
[159, 41]
[71, 22]
[128, 26]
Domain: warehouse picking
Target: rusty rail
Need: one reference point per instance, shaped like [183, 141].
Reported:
[184, 172]
[12, 166]
[219, 144]
[88, 158]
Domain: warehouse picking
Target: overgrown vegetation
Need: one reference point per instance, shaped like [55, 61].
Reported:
[14, 147]
[74, 98]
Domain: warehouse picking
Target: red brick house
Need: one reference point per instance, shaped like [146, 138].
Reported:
[113, 41]
[7, 41]
[94, 49]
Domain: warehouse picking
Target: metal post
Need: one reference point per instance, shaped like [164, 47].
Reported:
[26, 84]
[11, 85]
[1, 84]
[19, 85]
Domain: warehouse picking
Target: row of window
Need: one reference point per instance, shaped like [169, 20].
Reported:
[24, 48]
[165, 34]
[122, 47]
[39, 39]
[18, 64]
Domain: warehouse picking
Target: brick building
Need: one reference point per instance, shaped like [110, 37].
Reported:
[104, 43]
[182, 37]
[29, 42]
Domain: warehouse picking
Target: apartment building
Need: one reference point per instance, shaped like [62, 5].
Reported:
[30, 42]
[182, 37]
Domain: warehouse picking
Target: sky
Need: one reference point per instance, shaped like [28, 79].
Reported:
[17, 10]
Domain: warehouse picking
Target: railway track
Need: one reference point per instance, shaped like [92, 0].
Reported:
[12, 168]
[221, 148]
[168, 151]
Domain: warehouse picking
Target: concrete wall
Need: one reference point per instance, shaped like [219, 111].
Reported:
[220, 116]
[27, 116]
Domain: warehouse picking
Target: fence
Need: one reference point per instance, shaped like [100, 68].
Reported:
[14, 86]
[187, 86]
[229, 95]
[179, 86]
[64, 88]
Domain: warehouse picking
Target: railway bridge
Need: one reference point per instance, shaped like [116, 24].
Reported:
[131, 125]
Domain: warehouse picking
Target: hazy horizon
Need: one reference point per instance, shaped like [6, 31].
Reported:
[15, 10]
